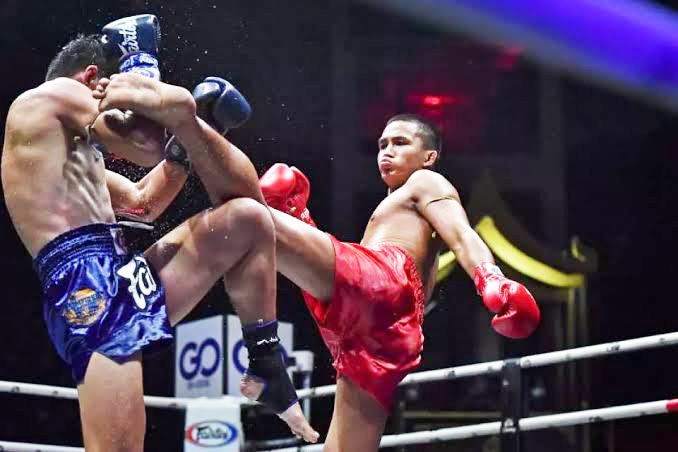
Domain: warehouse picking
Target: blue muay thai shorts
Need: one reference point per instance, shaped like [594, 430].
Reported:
[98, 297]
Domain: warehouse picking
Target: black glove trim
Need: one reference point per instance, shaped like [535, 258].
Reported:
[176, 153]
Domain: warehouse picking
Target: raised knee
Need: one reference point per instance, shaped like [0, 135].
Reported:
[250, 218]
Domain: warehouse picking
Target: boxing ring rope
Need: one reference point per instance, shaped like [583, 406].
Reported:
[525, 424]
[58, 392]
[446, 434]
[449, 373]
[28, 447]
[454, 433]
[539, 360]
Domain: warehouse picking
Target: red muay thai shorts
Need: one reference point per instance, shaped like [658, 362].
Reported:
[372, 325]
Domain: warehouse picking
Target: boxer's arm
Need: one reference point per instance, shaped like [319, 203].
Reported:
[71, 102]
[166, 104]
[517, 314]
[175, 108]
[204, 145]
[148, 198]
[438, 202]
[130, 136]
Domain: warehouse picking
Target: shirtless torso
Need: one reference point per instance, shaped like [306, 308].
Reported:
[397, 221]
[53, 181]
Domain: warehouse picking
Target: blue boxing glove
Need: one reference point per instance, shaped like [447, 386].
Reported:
[220, 105]
[132, 43]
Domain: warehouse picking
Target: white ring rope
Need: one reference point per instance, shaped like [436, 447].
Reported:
[449, 373]
[492, 367]
[454, 433]
[28, 447]
[526, 424]
[542, 359]
[172, 403]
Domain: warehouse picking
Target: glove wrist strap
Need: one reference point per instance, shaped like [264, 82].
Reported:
[175, 153]
[142, 63]
[482, 272]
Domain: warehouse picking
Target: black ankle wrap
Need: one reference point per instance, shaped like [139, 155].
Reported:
[267, 363]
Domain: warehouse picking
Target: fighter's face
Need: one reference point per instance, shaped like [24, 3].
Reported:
[401, 153]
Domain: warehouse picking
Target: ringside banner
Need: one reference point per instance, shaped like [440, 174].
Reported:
[213, 425]
[199, 358]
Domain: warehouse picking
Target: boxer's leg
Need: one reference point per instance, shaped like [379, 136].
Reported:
[112, 405]
[234, 240]
[305, 255]
[225, 171]
[358, 420]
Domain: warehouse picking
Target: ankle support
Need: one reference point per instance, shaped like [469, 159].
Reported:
[267, 363]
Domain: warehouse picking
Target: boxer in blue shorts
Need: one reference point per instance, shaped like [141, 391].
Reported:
[102, 304]
[99, 297]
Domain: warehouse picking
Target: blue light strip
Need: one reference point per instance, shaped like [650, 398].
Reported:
[627, 44]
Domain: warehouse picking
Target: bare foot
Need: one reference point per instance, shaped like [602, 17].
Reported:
[293, 416]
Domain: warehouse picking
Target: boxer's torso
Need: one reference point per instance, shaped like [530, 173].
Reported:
[396, 221]
[52, 180]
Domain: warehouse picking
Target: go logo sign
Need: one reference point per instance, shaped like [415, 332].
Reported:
[203, 359]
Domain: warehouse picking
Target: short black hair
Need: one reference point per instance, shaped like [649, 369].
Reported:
[76, 55]
[428, 132]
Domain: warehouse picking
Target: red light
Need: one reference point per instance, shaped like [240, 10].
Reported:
[508, 58]
[432, 101]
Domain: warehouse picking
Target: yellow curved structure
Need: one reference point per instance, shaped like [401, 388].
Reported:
[514, 257]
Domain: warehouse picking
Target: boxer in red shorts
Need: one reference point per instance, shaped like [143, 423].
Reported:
[368, 298]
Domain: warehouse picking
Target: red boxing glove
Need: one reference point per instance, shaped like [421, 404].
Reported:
[287, 189]
[517, 312]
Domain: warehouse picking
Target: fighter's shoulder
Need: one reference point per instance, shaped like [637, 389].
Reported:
[424, 181]
[58, 94]
[61, 90]
[60, 100]
[423, 176]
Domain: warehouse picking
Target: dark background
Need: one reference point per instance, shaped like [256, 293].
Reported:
[619, 174]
